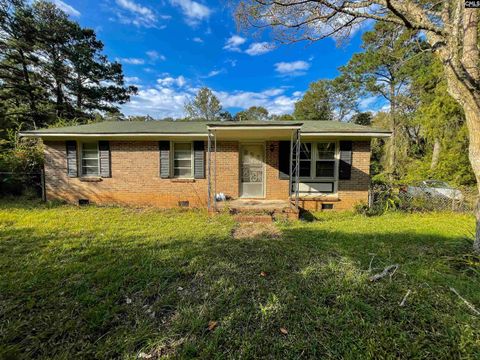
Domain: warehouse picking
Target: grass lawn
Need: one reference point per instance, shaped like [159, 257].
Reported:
[96, 282]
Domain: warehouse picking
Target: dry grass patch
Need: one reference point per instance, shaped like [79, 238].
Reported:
[250, 230]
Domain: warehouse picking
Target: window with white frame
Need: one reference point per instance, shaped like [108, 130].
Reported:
[182, 160]
[325, 160]
[90, 159]
[318, 160]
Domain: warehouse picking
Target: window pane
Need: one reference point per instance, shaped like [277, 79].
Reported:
[304, 169]
[92, 171]
[90, 159]
[181, 172]
[325, 168]
[326, 150]
[182, 160]
[90, 162]
[183, 163]
[305, 151]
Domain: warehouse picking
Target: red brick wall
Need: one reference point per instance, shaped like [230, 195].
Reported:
[276, 189]
[355, 190]
[135, 177]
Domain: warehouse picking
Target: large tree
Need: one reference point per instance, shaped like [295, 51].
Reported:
[21, 93]
[51, 67]
[315, 103]
[205, 106]
[450, 29]
[256, 113]
[384, 69]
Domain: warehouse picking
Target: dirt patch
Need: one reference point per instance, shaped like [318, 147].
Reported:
[247, 230]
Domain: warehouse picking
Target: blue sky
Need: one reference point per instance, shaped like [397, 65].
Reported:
[171, 48]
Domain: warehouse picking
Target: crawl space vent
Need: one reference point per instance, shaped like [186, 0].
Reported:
[83, 202]
[184, 203]
[327, 206]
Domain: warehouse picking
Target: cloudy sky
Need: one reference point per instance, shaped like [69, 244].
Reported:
[171, 48]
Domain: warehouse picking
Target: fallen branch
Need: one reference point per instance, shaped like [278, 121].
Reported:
[470, 306]
[405, 297]
[389, 269]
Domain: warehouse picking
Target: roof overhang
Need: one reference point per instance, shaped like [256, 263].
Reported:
[349, 135]
[236, 132]
[113, 136]
[253, 132]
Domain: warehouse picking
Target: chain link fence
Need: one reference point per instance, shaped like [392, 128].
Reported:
[22, 184]
[420, 198]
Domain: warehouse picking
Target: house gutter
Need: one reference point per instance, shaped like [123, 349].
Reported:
[348, 134]
[113, 135]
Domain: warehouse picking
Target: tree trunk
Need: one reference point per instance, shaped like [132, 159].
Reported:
[436, 153]
[459, 86]
[79, 93]
[31, 96]
[473, 122]
[392, 162]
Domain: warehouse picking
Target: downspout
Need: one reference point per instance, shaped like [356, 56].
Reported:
[290, 182]
[215, 170]
[297, 165]
[209, 149]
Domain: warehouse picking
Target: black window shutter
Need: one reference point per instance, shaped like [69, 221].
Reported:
[105, 159]
[345, 168]
[284, 160]
[164, 147]
[199, 159]
[72, 167]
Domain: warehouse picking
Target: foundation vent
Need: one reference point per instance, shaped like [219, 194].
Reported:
[184, 203]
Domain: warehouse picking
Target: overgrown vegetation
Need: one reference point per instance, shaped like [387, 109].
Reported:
[96, 282]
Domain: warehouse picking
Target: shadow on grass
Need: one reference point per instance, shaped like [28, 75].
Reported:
[87, 294]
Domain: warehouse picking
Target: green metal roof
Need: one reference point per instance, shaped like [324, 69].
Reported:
[198, 127]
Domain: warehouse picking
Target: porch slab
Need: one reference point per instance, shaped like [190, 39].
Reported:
[253, 210]
[254, 204]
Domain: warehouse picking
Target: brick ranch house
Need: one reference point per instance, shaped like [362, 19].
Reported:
[313, 165]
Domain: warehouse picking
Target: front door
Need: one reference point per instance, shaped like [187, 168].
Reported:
[252, 170]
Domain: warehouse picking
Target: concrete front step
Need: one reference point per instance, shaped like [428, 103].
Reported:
[263, 216]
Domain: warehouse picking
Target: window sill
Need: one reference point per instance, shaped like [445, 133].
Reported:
[91, 179]
[316, 180]
[180, 180]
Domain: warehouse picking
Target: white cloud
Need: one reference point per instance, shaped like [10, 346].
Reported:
[367, 102]
[131, 61]
[293, 68]
[197, 40]
[168, 98]
[274, 100]
[232, 62]
[193, 11]
[233, 43]
[259, 48]
[170, 81]
[70, 10]
[154, 55]
[131, 79]
[138, 15]
[214, 73]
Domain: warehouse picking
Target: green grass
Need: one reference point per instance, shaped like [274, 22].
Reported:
[111, 282]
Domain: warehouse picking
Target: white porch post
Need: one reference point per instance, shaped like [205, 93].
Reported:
[294, 166]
